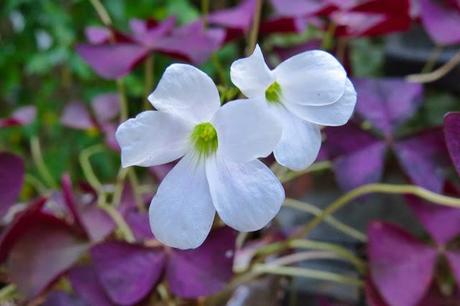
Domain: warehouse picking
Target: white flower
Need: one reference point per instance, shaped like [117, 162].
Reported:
[305, 91]
[219, 170]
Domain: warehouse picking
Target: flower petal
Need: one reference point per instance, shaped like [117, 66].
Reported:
[251, 74]
[300, 142]
[311, 78]
[246, 130]
[246, 195]
[186, 91]
[334, 114]
[152, 138]
[181, 212]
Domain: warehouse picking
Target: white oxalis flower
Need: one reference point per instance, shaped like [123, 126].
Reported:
[305, 91]
[218, 171]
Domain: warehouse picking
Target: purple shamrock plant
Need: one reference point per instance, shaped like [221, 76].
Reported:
[359, 156]
[22, 116]
[105, 109]
[113, 54]
[402, 267]
[11, 180]
[441, 19]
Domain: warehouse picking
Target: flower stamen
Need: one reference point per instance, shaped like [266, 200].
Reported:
[204, 139]
[273, 93]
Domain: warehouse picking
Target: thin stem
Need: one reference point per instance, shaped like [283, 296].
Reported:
[101, 12]
[123, 101]
[331, 220]
[254, 33]
[205, 11]
[119, 186]
[436, 74]
[40, 163]
[88, 171]
[35, 183]
[308, 273]
[328, 36]
[148, 84]
[135, 187]
[122, 226]
[437, 50]
[302, 256]
[378, 188]
[316, 167]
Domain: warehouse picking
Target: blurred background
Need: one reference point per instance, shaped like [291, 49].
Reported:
[73, 225]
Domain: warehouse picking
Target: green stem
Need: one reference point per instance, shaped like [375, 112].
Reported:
[328, 36]
[316, 167]
[88, 171]
[331, 220]
[308, 273]
[101, 12]
[122, 226]
[135, 187]
[148, 74]
[119, 186]
[378, 188]
[123, 101]
[40, 163]
[254, 33]
[205, 11]
[35, 183]
[432, 59]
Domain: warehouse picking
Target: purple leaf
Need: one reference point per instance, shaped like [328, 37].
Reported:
[86, 284]
[200, 42]
[452, 136]
[69, 200]
[358, 157]
[454, 261]
[148, 32]
[288, 24]
[139, 224]
[11, 179]
[443, 223]
[98, 35]
[387, 103]
[237, 19]
[61, 298]
[106, 106]
[76, 116]
[18, 227]
[97, 223]
[126, 271]
[361, 167]
[401, 267]
[22, 116]
[423, 158]
[211, 264]
[112, 61]
[42, 253]
[441, 20]
[299, 7]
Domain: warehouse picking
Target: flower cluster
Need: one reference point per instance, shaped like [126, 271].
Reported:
[219, 146]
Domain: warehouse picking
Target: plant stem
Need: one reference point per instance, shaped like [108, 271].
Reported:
[436, 74]
[331, 220]
[318, 166]
[254, 33]
[122, 226]
[35, 183]
[328, 36]
[378, 188]
[148, 84]
[40, 163]
[101, 12]
[205, 11]
[88, 171]
[308, 273]
[135, 187]
[432, 59]
[123, 101]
